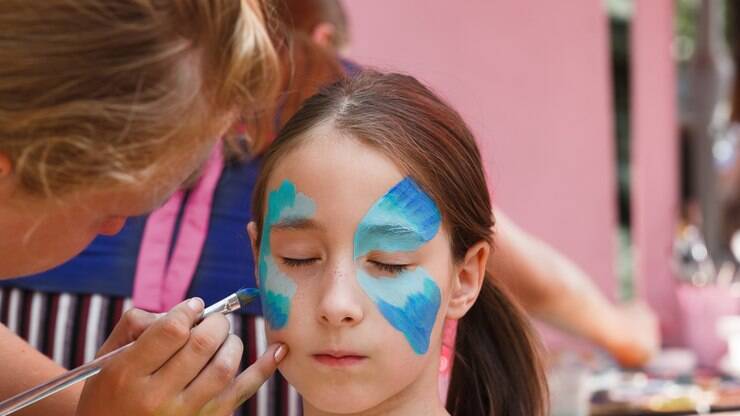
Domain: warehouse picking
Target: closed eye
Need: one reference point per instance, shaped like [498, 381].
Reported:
[292, 262]
[389, 268]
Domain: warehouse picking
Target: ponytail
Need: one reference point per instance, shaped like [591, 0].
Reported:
[497, 369]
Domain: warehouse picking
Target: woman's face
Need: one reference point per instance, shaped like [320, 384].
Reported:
[354, 271]
[40, 233]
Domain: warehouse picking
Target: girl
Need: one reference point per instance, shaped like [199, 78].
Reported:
[373, 226]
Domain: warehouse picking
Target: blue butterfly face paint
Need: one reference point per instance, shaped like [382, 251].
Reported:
[284, 205]
[404, 219]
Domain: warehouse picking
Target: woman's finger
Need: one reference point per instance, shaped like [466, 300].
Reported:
[247, 383]
[183, 367]
[218, 374]
[132, 324]
[163, 338]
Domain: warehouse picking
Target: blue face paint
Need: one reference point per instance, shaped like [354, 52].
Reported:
[409, 301]
[283, 205]
[404, 219]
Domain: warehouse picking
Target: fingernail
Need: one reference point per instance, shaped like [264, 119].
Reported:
[280, 353]
[196, 304]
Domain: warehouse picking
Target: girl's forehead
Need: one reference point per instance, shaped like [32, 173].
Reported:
[342, 175]
[334, 160]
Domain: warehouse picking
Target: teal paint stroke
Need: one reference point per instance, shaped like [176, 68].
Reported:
[284, 204]
[409, 302]
[404, 219]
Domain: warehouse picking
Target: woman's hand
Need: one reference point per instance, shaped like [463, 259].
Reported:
[640, 337]
[175, 368]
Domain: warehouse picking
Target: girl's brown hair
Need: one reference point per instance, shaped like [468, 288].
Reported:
[497, 369]
[98, 90]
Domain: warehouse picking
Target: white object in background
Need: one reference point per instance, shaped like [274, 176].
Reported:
[735, 245]
[570, 394]
[728, 328]
[672, 362]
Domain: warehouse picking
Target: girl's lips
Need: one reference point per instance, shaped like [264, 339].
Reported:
[339, 359]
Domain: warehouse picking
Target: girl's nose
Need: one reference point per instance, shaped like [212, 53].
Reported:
[341, 303]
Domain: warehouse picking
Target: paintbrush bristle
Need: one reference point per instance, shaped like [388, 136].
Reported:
[247, 295]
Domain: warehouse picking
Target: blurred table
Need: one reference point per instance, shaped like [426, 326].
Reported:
[595, 386]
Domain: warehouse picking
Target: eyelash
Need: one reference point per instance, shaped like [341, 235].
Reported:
[390, 268]
[385, 267]
[298, 262]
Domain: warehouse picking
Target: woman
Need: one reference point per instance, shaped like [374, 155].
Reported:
[105, 109]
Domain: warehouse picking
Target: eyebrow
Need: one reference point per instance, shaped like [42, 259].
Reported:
[297, 223]
[396, 229]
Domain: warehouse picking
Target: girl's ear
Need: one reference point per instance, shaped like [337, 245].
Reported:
[252, 231]
[467, 280]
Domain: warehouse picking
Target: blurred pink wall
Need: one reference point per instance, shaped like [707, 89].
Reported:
[532, 79]
[655, 159]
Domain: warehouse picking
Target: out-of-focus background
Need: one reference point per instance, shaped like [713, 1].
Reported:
[610, 130]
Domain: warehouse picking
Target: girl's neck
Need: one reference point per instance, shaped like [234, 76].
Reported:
[419, 398]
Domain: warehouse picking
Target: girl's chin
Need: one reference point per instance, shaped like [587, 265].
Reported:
[339, 408]
[338, 401]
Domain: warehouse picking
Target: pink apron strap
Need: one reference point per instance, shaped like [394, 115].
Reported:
[152, 262]
[449, 332]
[193, 233]
[159, 285]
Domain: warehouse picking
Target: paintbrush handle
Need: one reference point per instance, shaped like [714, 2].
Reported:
[225, 306]
[60, 383]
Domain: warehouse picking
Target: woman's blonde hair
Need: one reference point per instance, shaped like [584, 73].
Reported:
[96, 92]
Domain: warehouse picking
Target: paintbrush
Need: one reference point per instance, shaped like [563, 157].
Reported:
[229, 304]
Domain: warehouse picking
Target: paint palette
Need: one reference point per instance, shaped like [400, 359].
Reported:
[610, 391]
[637, 394]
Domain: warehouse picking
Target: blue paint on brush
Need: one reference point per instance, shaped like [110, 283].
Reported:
[404, 219]
[246, 295]
[284, 204]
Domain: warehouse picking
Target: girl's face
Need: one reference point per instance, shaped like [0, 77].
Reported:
[355, 271]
